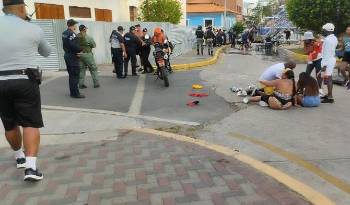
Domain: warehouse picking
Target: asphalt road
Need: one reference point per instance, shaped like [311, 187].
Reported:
[313, 142]
[156, 100]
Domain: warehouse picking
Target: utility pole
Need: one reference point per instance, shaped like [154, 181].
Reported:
[225, 13]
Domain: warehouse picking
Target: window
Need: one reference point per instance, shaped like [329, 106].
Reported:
[208, 22]
[133, 13]
[49, 11]
[103, 15]
[80, 12]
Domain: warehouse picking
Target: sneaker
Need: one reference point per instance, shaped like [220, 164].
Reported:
[21, 163]
[32, 175]
[97, 86]
[328, 100]
[324, 97]
[242, 93]
[82, 86]
[263, 104]
[246, 100]
[322, 94]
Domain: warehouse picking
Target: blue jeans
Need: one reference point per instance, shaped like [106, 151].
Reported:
[311, 101]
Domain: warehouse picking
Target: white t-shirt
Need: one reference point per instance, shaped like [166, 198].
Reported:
[273, 72]
[328, 53]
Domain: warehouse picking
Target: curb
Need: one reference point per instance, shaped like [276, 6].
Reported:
[195, 65]
[302, 189]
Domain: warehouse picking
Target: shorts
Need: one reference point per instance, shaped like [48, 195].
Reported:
[330, 64]
[20, 104]
[346, 57]
[315, 64]
[311, 101]
[267, 90]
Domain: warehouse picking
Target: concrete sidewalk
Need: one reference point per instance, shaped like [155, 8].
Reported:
[136, 168]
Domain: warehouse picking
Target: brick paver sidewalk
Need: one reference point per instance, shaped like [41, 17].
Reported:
[139, 169]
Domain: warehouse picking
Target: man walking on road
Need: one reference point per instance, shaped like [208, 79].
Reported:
[200, 39]
[72, 52]
[19, 85]
[87, 60]
[118, 51]
[209, 38]
[328, 59]
[132, 43]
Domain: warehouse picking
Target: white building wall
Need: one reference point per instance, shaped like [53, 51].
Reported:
[120, 8]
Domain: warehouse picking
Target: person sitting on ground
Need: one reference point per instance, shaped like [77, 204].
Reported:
[283, 96]
[307, 91]
[274, 72]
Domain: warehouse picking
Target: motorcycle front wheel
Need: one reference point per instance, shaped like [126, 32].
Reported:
[164, 73]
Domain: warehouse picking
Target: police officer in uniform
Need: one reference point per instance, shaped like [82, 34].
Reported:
[72, 52]
[87, 59]
[118, 51]
[20, 104]
[132, 42]
[200, 39]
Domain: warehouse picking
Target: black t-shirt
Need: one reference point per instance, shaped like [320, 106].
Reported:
[209, 34]
[199, 34]
[132, 42]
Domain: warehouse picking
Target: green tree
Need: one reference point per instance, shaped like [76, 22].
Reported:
[312, 14]
[238, 28]
[161, 11]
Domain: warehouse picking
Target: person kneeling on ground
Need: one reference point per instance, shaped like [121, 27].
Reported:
[273, 72]
[307, 91]
[283, 96]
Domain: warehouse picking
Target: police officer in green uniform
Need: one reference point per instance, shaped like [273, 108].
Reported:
[87, 60]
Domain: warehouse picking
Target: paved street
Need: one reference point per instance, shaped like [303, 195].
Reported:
[88, 157]
[139, 168]
[319, 136]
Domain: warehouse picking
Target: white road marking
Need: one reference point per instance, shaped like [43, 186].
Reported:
[136, 104]
[106, 112]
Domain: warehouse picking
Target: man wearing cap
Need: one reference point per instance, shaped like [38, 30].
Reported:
[328, 59]
[313, 47]
[72, 52]
[20, 104]
[87, 60]
[118, 51]
[132, 42]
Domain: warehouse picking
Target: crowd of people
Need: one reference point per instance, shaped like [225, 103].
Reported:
[279, 89]
[124, 50]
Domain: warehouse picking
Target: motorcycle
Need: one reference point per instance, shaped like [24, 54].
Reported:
[161, 57]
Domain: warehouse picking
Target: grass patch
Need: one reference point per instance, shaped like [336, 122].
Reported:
[298, 51]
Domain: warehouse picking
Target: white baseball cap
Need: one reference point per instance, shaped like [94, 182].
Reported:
[328, 27]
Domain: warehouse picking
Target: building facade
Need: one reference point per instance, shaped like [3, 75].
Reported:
[212, 12]
[90, 10]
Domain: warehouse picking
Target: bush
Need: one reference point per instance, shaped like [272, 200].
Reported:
[161, 11]
[238, 28]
